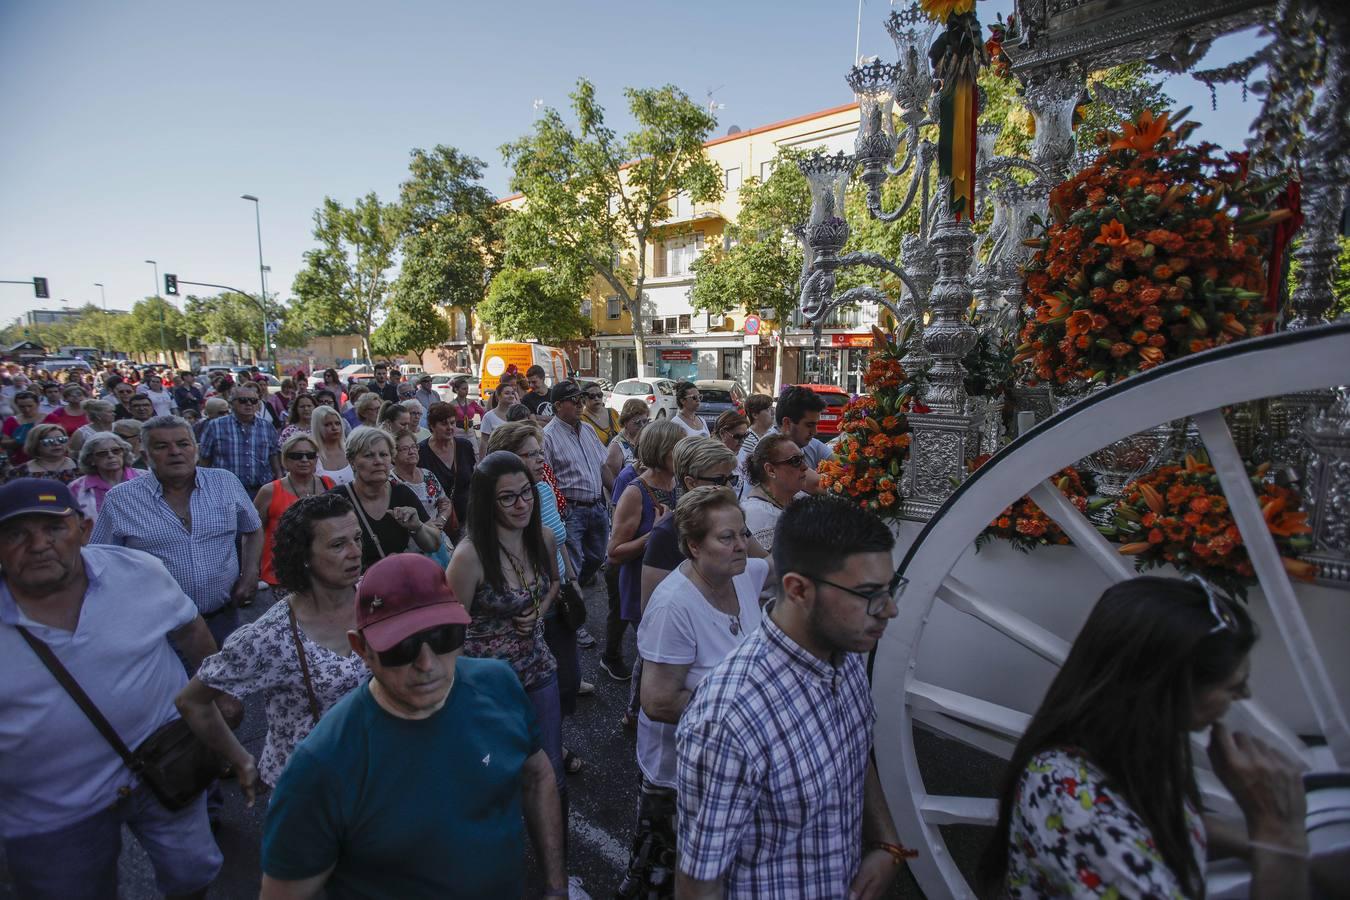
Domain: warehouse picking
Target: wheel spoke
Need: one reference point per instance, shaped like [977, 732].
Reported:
[1045, 644]
[1083, 533]
[992, 717]
[940, 810]
[1275, 584]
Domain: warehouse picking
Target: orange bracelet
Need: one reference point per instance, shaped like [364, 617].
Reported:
[898, 853]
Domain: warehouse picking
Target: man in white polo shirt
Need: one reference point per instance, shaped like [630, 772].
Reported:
[65, 793]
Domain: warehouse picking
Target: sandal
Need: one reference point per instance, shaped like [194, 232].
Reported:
[572, 763]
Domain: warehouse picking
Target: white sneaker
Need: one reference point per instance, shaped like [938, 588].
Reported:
[574, 889]
[585, 689]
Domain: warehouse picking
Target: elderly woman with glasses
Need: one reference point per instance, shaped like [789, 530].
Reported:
[623, 449]
[701, 612]
[105, 460]
[1106, 762]
[392, 518]
[299, 459]
[101, 415]
[46, 446]
[777, 471]
[296, 654]
[129, 430]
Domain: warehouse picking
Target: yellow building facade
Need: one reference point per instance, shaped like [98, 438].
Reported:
[682, 343]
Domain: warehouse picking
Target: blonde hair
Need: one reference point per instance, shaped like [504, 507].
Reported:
[36, 434]
[632, 409]
[320, 415]
[295, 438]
[368, 399]
[512, 435]
[363, 438]
[692, 512]
[696, 455]
[656, 442]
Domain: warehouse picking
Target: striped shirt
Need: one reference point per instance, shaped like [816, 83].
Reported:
[245, 450]
[773, 752]
[205, 561]
[575, 454]
[550, 519]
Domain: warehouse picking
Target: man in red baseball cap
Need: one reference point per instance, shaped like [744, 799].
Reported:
[416, 783]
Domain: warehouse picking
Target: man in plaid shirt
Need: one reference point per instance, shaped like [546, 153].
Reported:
[243, 442]
[777, 795]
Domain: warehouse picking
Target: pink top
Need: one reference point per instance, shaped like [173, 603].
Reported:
[89, 490]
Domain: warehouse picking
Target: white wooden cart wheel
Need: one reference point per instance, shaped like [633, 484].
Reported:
[975, 665]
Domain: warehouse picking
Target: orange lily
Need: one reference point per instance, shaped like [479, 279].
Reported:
[1144, 136]
[1113, 234]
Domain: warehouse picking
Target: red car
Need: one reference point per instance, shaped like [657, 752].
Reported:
[830, 416]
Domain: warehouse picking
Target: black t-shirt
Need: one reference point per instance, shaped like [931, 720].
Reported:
[389, 536]
[388, 392]
[187, 398]
[663, 547]
[532, 401]
[455, 483]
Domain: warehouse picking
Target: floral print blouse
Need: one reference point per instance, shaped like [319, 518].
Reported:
[260, 658]
[1073, 836]
[492, 634]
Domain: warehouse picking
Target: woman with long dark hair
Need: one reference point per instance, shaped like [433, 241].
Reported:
[1100, 796]
[505, 572]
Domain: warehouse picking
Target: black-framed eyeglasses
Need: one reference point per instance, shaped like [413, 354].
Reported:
[508, 500]
[876, 601]
[441, 639]
[302, 454]
[732, 481]
[1223, 616]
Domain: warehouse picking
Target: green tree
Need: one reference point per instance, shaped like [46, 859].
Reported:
[412, 326]
[343, 287]
[530, 303]
[593, 198]
[139, 331]
[227, 316]
[450, 241]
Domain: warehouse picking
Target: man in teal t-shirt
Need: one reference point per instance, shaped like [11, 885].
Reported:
[415, 784]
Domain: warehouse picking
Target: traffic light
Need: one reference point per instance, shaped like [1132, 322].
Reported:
[171, 284]
[40, 288]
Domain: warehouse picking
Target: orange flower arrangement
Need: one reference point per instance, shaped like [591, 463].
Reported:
[1154, 251]
[874, 434]
[1179, 515]
[1024, 525]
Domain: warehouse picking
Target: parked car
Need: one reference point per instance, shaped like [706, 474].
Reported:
[716, 396]
[835, 398]
[441, 384]
[71, 363]
[658, 392]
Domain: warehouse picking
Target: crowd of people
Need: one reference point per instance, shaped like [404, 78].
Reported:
[427, 562]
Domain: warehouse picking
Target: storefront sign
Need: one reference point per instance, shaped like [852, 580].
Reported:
[677, 355]
[850, 340]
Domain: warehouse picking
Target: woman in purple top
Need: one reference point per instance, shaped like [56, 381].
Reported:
[105, 460]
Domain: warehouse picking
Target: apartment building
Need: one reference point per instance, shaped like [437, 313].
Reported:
[682, 343]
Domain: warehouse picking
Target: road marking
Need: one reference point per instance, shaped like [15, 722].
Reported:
[608, 846]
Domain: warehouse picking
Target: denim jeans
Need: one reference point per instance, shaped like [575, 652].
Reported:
[587, 534]
[562, 640]
[79, 862]
[548, 715]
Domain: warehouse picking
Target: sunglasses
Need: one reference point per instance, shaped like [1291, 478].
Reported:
[53, 441]
[733, 480]
[1223, 616]
[797, 461]
[737, 436]
[302, 454]
[441, 639]
[594, 396]
[246, 401]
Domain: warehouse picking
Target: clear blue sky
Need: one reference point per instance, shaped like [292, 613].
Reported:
[131, 128]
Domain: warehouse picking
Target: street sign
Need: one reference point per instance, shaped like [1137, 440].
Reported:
[752, 340]
[752, 324]
[273, 327]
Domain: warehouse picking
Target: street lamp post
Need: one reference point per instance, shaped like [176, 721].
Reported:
[107, 342]
[163, 347]
[262, 278]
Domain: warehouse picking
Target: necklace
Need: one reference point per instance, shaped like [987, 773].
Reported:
[735, 626]
[290, 485]
[519, 569]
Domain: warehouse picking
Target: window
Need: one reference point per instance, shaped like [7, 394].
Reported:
[672, 324]
[613, 307]
[681, 206]
[658, 326]
[584, 360]
[731, 179]
[684, 322]
[765, 170]
[586, 308]
[677, 254]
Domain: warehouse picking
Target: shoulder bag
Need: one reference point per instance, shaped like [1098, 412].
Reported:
[172, 762]
[304, 664]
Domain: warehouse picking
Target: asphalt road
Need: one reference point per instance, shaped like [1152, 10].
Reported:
[602, 793]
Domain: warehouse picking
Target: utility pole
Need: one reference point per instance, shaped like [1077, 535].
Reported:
[262, 279]
[163, 346]
[107, 339]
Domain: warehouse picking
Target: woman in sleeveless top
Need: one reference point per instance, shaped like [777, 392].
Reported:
[507, 565]
[623, 449]
[299, 456]
[329, 431]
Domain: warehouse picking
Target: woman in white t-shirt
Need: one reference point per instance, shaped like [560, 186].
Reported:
[508, 395]
[702, 611]
[687, 399]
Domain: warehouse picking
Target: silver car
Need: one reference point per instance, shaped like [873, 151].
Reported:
[659, 393]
